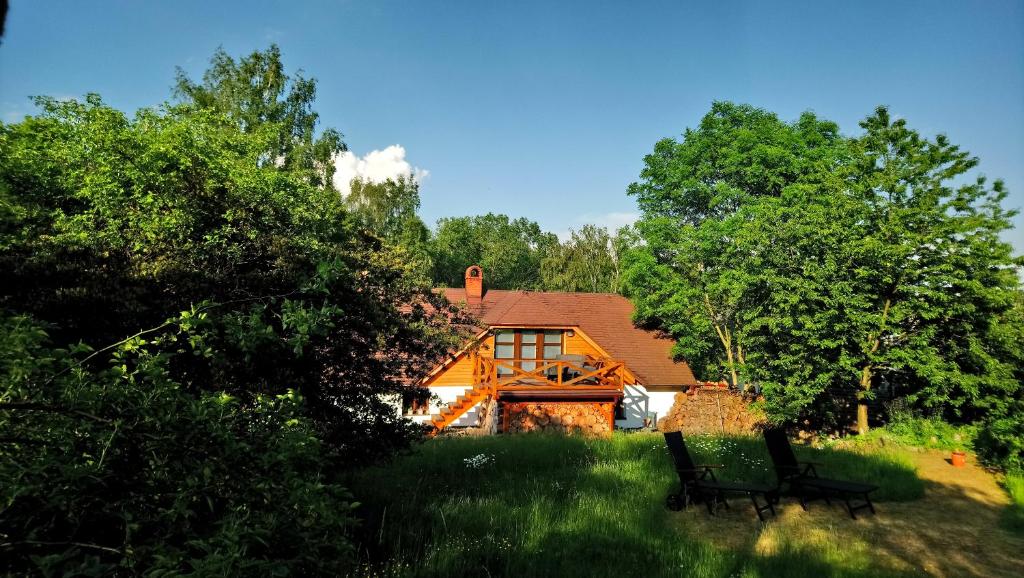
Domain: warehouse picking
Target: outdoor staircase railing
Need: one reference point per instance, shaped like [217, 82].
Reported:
[491, 376]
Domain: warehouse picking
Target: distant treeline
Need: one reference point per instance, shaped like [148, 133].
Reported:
[514, 253]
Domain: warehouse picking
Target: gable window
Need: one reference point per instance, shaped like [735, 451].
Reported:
[528, 347]
[505, 348]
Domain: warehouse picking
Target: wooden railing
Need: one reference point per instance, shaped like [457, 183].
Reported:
[500, 373]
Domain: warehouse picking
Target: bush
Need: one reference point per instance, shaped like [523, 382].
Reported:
[909, 428]
[123, 470]
[1000, 440]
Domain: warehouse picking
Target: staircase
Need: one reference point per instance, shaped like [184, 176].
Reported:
[456, 409]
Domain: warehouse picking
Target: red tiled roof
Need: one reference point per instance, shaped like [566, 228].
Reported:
[605, 317]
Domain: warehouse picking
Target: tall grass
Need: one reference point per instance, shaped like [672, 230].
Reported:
[567, 506]
[1013, 516]
[923, 432]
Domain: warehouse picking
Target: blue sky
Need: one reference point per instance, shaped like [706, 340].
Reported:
[545, 109]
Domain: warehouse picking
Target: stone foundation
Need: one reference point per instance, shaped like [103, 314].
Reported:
[559, 417]
[489, 418]
[711, 409]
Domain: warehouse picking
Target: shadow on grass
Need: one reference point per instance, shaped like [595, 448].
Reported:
[746, 458]
[1013, 516]
[954, 532]
[1013, 519]
[569, 506]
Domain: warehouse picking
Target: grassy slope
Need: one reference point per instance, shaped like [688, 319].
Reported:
[565, 506]
[1013, 516]
[933, 433]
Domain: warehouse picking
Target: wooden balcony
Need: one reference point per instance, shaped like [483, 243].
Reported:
[562, 376]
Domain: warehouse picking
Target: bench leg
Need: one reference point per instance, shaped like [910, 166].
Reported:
[803, 497]
[853, 509]
[761, 509]
[712, 504]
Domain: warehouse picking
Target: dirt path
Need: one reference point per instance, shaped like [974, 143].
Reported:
[952, 532]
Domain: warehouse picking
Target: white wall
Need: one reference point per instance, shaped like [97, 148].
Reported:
[446, 395]
[638, 403]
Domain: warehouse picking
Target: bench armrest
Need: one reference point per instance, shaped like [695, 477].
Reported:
[701, 471]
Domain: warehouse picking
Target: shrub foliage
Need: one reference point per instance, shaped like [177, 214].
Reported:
[197, 337]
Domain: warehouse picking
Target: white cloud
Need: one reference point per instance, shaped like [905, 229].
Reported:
[376, 166]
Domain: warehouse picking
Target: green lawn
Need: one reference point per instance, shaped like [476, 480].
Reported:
[1013, 517]
[568, 506]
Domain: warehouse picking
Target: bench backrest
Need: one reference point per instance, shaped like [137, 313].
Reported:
[783, 458]
[680, 456]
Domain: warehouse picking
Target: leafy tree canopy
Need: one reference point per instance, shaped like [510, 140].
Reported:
[689, 273]
[509, 250]
[202, 340]
[389, 211]
[255, 93]
[858, 264]
[737, 153]
[588, 261]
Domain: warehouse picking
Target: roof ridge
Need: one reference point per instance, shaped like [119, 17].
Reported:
[606, 318]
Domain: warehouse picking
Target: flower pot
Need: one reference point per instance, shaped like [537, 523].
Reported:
[958, 459]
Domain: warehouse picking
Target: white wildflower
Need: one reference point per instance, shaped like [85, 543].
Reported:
[478, 461]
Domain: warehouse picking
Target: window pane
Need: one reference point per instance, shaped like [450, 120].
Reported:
[505, 336]
[552, 351]
[504, 351]
[529, 336]
[528, 352]
[529, 365]
[553, 336]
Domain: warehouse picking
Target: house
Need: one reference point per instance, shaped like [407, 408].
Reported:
[550, 360]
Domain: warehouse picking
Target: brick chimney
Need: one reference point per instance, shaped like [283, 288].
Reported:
[474, 282]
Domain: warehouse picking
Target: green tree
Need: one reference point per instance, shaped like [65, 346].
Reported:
[255, 93]
[298, 332]
[384, 208]
[688, 274]
[510, 251]
[897, 277]
[389, 211]
[141, 218]
[588, 261]
[864, 267]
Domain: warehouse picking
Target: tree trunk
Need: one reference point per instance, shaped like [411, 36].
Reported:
[862, 402]
[725, 336]
[874, 341]
[732, 364]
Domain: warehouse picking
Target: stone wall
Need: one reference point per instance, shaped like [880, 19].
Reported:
[488, 424]
[711, 409]
[561, 417]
